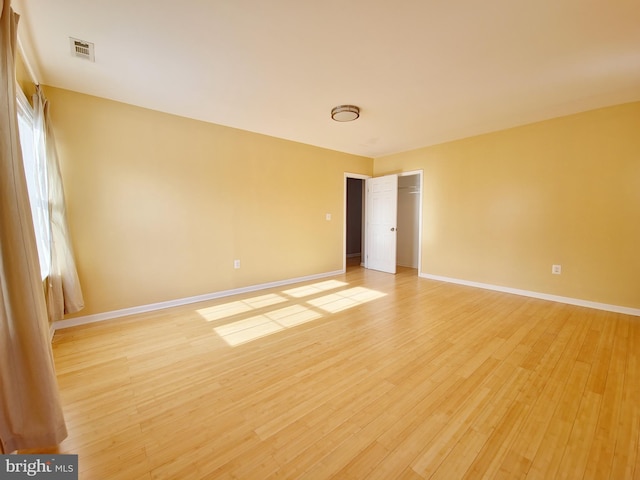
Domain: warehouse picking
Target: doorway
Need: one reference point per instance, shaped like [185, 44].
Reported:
[408, 231]
[409, 220]
[354, 220]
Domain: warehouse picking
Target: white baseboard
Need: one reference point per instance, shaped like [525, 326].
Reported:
[543, 296]
[99, 317]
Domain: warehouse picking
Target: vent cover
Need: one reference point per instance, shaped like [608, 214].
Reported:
[82, 49]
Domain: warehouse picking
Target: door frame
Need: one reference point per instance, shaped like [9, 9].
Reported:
[344, 225]
[420, 173]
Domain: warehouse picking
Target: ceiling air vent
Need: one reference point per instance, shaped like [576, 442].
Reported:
[82, 49]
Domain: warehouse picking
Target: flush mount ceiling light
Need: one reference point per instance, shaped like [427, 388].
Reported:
[345, 113]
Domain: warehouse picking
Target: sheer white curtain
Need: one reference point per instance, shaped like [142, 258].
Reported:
[30, 410]
[64, 294]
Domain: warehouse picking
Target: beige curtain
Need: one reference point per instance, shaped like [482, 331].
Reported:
[30, 411]
[63, 291]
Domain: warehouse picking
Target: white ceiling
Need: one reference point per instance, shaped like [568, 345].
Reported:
[422, 71]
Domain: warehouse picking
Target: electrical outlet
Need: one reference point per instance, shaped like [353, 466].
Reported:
[556, 269]
[236, 264]
[327, 216]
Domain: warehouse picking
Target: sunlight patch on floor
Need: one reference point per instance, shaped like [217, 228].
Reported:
[337, 302]
[244, 331]
[241, 306]
[319, 287]
[297, 311]
[249, 329]
[293, 315]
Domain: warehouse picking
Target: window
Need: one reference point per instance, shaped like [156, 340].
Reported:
[36, 173]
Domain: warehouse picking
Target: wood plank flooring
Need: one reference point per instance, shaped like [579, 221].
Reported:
[363, 375]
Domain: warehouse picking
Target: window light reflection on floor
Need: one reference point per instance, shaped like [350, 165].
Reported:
[244, 331]
[336, 302]
[307, 290]
[298, 311]
[241, 306]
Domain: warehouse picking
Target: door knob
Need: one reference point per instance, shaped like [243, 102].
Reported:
[393, 229]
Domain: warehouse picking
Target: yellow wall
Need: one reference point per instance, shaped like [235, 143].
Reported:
[501, 208]
[23, 78]
[160, 206]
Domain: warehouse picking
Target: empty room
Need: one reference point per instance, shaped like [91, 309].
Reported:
[334, 240]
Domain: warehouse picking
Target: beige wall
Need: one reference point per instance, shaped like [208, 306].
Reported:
[23, 78]
[160, 206]
[501, 208]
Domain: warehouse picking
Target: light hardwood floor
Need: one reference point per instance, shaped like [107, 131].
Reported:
[364, 375]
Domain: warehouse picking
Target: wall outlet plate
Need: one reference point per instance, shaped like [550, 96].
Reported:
[556, 269]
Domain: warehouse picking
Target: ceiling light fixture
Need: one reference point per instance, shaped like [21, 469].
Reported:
[345, 113]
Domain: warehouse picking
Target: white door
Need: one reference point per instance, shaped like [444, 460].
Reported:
[381, 216]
